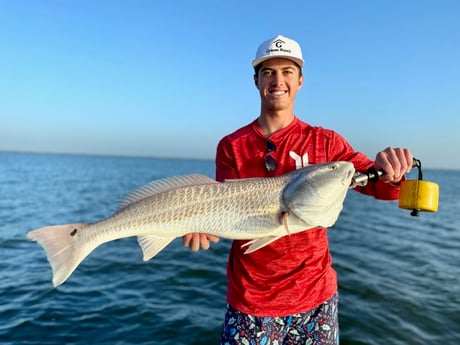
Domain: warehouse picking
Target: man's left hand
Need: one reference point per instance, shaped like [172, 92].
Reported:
[395, 162]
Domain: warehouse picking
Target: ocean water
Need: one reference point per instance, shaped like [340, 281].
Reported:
[399, 276]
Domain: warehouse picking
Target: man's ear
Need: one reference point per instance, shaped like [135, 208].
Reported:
[256, 80]
[301, 80]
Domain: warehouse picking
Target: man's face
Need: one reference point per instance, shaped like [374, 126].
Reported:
[278, 81]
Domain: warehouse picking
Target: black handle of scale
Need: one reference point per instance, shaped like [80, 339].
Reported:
[373, 174]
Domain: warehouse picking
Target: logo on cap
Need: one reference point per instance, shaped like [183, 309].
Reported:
[279, 47]
[278, 43]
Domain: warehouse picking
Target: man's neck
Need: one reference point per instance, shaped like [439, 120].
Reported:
[271, 123]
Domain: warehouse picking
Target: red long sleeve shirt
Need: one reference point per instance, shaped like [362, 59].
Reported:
[293, 274]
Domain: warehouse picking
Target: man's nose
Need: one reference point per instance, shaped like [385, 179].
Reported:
[277, 78]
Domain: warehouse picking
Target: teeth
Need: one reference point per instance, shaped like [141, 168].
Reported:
[278, 93]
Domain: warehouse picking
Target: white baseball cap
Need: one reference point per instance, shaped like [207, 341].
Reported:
[279, 46]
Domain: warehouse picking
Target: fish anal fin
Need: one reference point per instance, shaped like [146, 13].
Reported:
[152, 245]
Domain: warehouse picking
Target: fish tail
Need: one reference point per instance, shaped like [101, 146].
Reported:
[63, 250]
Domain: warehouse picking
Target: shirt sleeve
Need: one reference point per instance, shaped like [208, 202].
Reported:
[225, 161]
[342, 150]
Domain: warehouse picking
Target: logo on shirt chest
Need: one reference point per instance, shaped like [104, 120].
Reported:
[300, 161]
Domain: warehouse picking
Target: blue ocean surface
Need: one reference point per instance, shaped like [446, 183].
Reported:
[399, 276]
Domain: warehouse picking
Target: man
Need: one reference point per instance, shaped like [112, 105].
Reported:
[286, 292]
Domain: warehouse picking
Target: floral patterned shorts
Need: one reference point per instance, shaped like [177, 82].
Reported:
[318, 326]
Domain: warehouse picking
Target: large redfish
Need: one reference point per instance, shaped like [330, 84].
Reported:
[257, 209]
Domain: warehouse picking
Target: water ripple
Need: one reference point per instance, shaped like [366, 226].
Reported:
[399, 277]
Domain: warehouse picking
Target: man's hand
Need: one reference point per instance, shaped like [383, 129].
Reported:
[194, 241]
[395, 162]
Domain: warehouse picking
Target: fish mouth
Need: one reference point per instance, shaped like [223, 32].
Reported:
[347, 178]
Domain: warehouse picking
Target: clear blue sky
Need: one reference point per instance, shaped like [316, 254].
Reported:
[170, 78]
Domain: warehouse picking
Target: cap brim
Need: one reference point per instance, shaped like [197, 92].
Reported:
[265, 58]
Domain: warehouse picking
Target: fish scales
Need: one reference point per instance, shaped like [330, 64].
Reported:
[259, 209]
[180, 211]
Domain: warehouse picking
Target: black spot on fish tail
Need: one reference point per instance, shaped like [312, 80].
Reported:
[74, 232]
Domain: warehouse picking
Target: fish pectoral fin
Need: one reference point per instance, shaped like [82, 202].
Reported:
[259, 243]
[284, 221]
[152, 245]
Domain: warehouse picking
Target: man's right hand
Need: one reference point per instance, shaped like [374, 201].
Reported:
[195, 241]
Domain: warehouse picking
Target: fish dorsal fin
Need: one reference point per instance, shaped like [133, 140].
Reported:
[239, 180]
[162, 185]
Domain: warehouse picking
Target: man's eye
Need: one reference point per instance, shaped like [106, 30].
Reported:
[267, 73]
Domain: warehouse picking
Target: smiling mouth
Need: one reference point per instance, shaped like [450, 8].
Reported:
[278, 93]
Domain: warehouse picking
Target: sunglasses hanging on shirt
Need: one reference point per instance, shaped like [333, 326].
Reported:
[270, 162]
